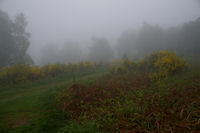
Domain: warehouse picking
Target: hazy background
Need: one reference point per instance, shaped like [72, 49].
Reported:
[77, 21]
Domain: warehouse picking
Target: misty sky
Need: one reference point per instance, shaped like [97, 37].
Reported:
[58, 21]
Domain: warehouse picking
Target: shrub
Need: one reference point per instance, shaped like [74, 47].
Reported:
[19, 73]
[22, 73]
[53, 69]
[163, 64]
[122, 66]
[158, 64]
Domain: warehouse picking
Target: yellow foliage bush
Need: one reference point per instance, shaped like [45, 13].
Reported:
[25, 73]
[53, 69]
[122, 66]
[163, 64]
[158, 64]
[19, 73]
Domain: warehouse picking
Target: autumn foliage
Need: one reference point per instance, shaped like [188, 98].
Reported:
[163, 64]
[128, 100]
[23, 73]
[157, 65]
[127, 103]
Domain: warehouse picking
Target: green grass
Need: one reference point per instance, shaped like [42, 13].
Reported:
[30, 107]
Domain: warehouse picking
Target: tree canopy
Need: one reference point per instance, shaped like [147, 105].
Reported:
[100, 50]
[184, 40]
[14, 40]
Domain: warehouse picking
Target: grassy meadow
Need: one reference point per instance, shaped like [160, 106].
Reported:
[29, 107]
[159, 93]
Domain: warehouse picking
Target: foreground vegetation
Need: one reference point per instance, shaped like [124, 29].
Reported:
[127, 103]
[156, 94]
[30, 107]
[159, 93]
[22, 73]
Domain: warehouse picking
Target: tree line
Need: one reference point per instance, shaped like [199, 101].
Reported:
[14, 42]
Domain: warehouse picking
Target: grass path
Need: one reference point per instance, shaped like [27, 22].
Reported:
[21, 104]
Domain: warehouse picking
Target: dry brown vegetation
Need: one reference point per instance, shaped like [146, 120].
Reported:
[133, 103]
[130, 100]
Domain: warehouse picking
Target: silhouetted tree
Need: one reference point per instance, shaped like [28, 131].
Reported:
[7, 45]
[126, 45]
[69, 52]
[184, 40]
[190, 37]
[21, 39]
[100, 50]
[150, 39]
[49, 54]
[14, 40]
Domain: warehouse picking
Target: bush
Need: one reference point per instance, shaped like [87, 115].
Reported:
[159, 64]
[163, 64]
[22, 73]
[122, 66]
[19, 73]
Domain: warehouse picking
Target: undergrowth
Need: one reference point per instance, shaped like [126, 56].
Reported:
[135, 104]
[130, 99]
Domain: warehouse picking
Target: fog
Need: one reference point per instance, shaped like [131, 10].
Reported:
[76, 22]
